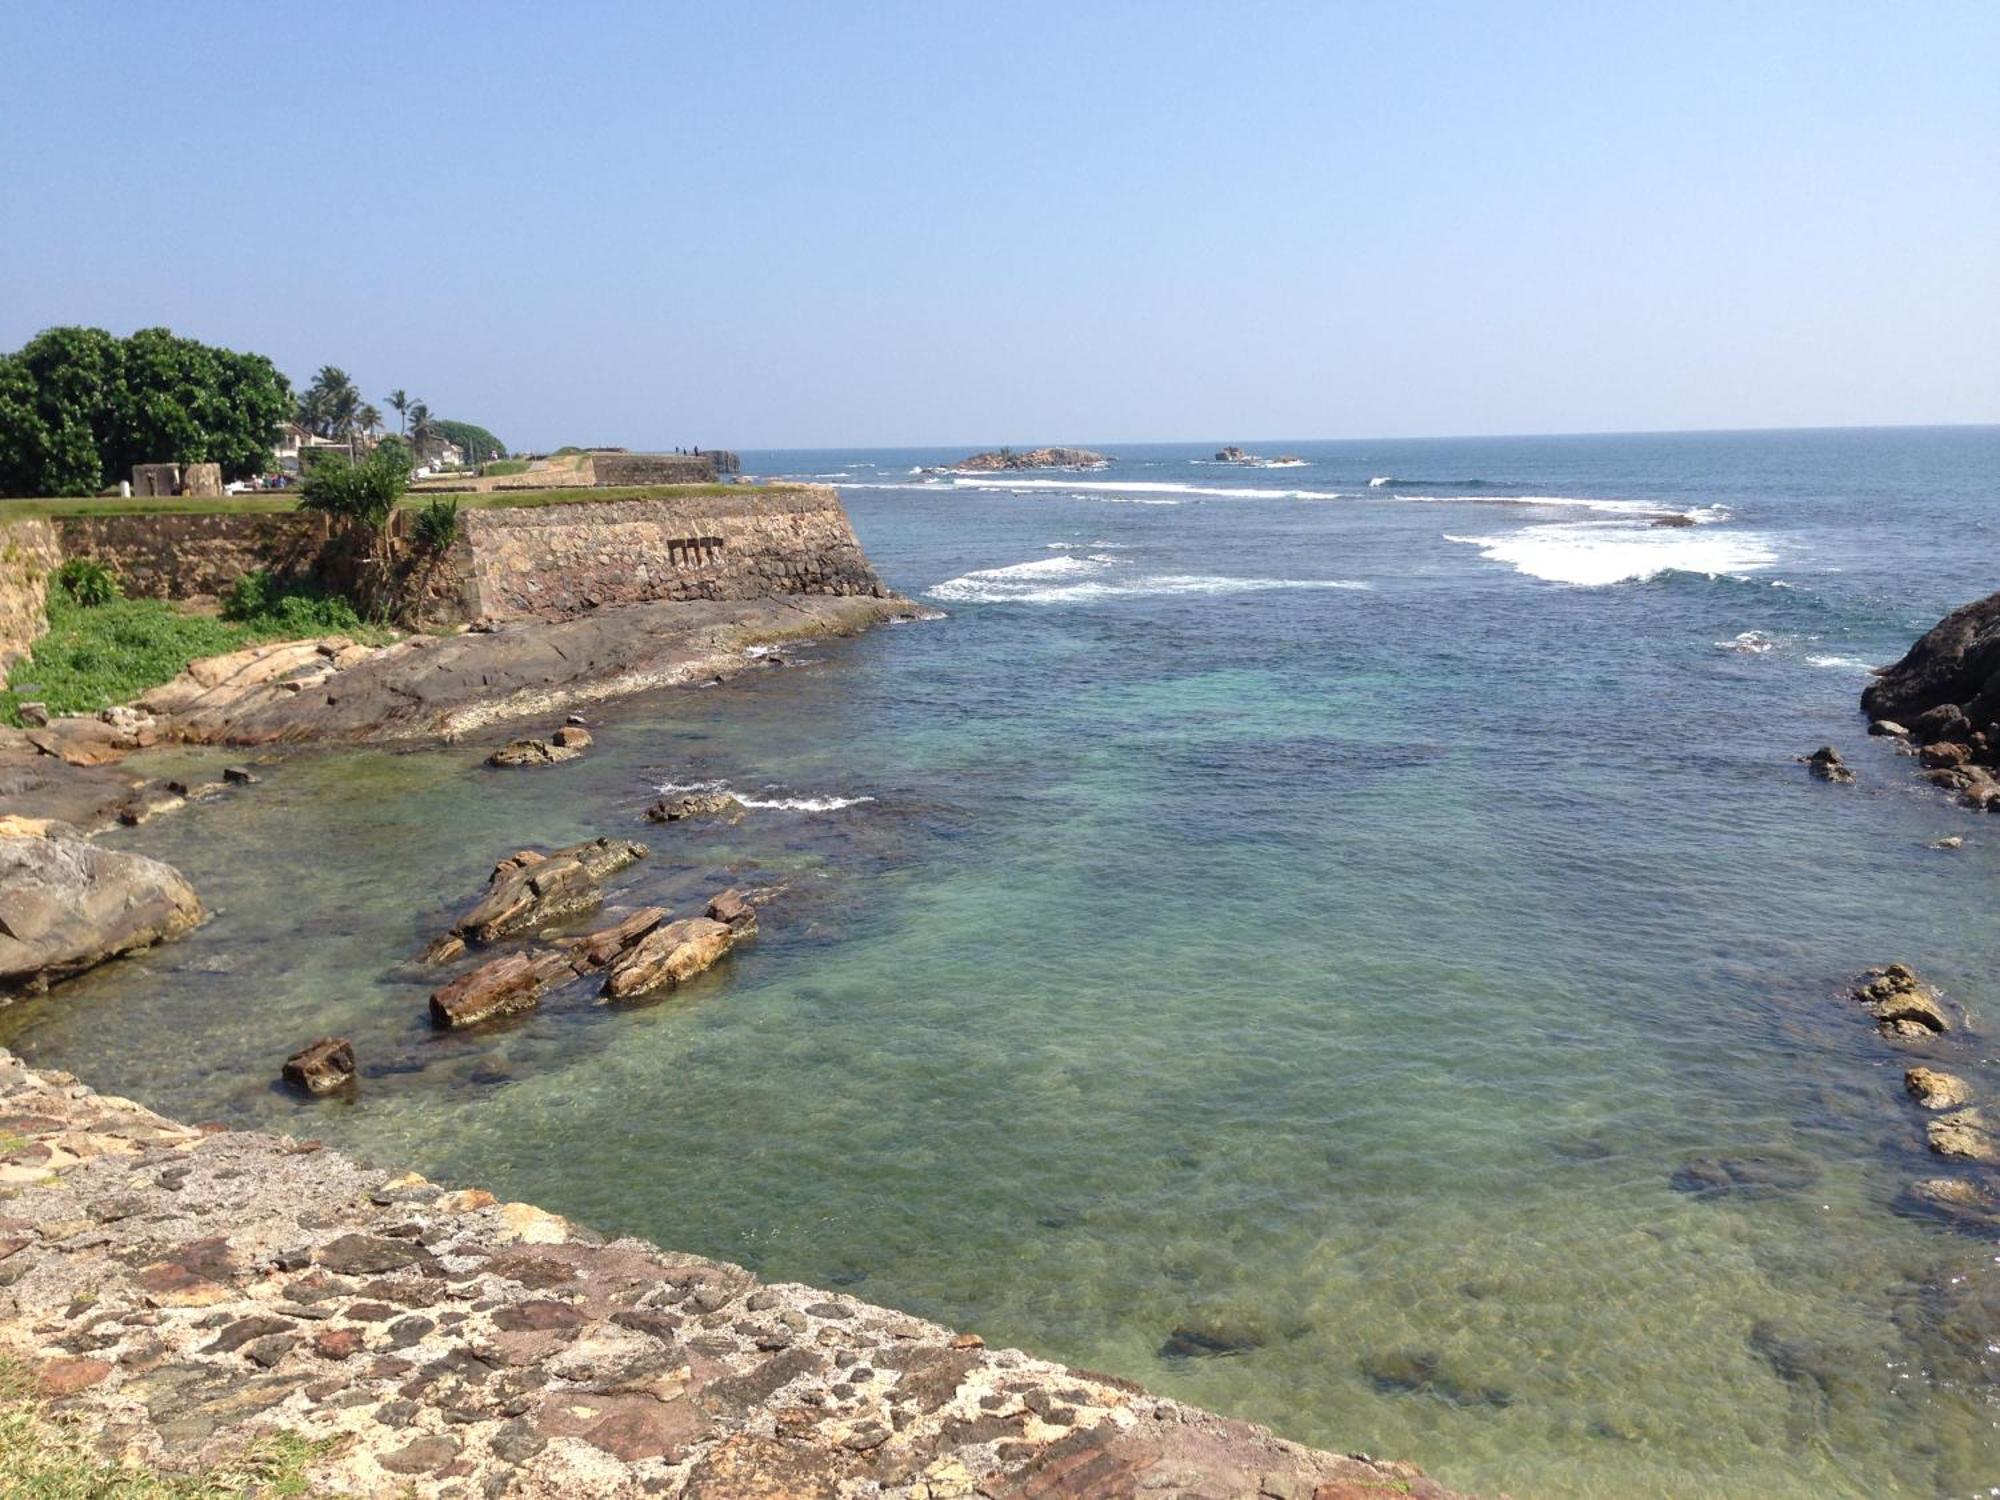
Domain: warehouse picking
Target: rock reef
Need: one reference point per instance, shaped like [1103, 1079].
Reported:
[1946, 690]
[1001, 459]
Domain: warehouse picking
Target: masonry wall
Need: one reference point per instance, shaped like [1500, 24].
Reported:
[29, 552]
[176, 556]
[557, 561]
[611, 469]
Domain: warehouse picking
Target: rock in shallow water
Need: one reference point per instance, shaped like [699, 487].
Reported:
[1935, 1090]
[1964, 1135]
[1901, 1003]
[1425, 1372]
[668, 956]
[67, 905]
[532, 752]
[1747, 1174]
[324, 1067]
[694, 805]
[1826, 764]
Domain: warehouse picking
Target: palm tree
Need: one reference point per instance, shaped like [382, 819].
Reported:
[422, 432]
[399, 403]
[369, 418]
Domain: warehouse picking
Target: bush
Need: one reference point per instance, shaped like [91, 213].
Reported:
[87, 581]
[363, 492]
[436, 526]
[258, 600]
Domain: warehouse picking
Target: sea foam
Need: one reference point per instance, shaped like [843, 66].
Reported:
[1593, 554]
[1083, 580]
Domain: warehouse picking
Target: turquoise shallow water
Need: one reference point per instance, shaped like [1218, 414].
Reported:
[1339, 971]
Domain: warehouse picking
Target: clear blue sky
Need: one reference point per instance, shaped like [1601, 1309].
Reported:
[822, 224]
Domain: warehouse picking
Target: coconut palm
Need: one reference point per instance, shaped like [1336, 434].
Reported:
[399, 403]
[423, 431]
[369, 418]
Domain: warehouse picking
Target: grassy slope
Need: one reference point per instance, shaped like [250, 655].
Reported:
[93, 658]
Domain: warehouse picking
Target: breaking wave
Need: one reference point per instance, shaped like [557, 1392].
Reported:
[774, 804]
[1082, 580]
[1592, 554]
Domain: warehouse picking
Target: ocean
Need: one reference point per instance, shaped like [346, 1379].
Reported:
[1288, 935]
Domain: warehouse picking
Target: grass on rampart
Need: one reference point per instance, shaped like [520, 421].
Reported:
[111, 653]
[44, 1457]
[276, 502]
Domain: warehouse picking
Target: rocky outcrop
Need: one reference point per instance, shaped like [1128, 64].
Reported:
[1935, 1090]
[669, 956]
[563, 745]
[1946, 690]
[677, 807]
[1000, 459]
[530, 890]
[67, 905]
[504, 986]
[1233, 455]
[1901, 1003]
[1826, 764]
[178, 1294]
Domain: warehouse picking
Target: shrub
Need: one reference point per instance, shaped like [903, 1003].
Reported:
[363, 492]
[436, 526]
[258, 600]
[87, 581]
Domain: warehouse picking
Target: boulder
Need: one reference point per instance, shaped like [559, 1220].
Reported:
[1935, 1090]
[1954, 841]
[502, 986]
[532, 753]
[1956, 661]
[673, 809]
[1963, 1134]
[324, 1067]
[1947, 721]
[668, 956]
[1826, 764]
[730, 909]
[571, 737]
[1902, 1004]
[66, 904]
[1232, 455]
[1957, 1200]
[1888, 728]
[529, 890]
[1944, 753]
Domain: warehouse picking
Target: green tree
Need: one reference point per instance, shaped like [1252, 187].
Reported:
[363, 492]
[480, 445]
[79, 407]
[399, 402]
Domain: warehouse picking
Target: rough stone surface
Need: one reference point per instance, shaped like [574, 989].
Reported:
[669, 956]
[66, 904]
[1901, 1003]
[29, 552]
[324, 1067]
[1946, 689]
[461, 1347]
[1935, 1090]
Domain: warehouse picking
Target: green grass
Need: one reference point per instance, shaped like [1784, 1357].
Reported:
[278, 502]
[93, 658]
[44, 1457]
[501, 467]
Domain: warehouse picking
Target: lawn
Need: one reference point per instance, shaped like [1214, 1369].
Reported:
[272, 502]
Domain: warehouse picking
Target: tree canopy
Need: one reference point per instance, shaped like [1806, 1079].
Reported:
[79, 407]
[479, 444]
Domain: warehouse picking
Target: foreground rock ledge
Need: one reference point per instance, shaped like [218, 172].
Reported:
[179, 1291]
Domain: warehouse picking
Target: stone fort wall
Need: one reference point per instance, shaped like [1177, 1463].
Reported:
[29, 552]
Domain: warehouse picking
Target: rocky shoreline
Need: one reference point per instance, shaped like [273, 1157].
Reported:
[1942, 699]
[177, 1293]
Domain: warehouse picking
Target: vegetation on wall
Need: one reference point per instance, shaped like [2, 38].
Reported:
[79, 408]
[363, 491]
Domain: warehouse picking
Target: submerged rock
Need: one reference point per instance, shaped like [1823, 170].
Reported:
[668, 956]
[1747, 1174]
[1964, 1135]
[324, 1067]
[694, 805]
[1831, 1371]
[531, 752]
[1958, 1201]
[1902, 1004]
[1425, 1372]
[1935, 1090]
[67, 905]
[1826, 764]
[734, 912]
[1209, 1341]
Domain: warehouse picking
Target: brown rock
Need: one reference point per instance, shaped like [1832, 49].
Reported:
[65, 1377]
[753, 1468]
[530, 890]
[596, 949]
[1826, 764]
[572, 737]
[337, 1343]
[1902, 1004]
[1963, 1135]
[322, 1067]
[694, 805]
[423, 1456]
[503, 986]
[1935, 1090]
[734, 912]
[668, 956]
[630, 1427]
[531, 752]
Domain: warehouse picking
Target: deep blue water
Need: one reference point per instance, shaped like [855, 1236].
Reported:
[1318, 912]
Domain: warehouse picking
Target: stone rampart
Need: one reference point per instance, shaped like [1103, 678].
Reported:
[29, 552]
[557, 561]
[613, 469]
[186, 556]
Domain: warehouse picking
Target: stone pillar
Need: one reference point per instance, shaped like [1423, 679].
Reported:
[202, 480]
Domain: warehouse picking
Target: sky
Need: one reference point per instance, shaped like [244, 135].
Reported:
[765, 225]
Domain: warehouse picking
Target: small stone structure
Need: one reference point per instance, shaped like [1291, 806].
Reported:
[156, 481]
[202, 481]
